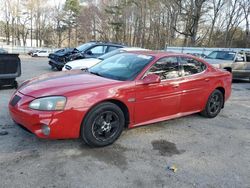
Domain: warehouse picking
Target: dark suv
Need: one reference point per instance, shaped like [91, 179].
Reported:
[91, 49]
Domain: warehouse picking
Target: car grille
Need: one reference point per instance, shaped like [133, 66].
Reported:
[15, 100]
[68, 67]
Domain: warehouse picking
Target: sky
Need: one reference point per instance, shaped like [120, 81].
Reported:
[56, 2]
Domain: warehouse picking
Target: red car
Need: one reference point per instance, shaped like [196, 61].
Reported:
[124, 91]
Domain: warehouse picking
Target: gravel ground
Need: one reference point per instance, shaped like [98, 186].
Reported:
[206, 152]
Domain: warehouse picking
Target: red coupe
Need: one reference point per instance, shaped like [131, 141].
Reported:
[124, 91]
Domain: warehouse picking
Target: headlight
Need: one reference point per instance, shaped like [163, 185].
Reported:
[68, 67]
[48, 103]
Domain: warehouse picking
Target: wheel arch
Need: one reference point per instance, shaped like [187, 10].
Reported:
[124, 109]
[117, 102]
[222, 90]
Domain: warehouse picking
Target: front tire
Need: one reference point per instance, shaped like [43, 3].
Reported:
[103, 125]
[214, 104]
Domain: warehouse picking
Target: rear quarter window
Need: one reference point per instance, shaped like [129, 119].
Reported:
[191, 66]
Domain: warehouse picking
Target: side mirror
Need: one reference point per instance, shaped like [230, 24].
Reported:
[151, 79]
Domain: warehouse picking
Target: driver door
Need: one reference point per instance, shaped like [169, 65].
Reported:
[159, 100]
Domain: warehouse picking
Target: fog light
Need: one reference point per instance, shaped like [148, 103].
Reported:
[46, 130]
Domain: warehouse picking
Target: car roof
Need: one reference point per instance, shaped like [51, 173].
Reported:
[106, 43]
[160, 54]
[128, 49]
[230, 51]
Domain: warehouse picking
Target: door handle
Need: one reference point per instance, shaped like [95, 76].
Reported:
[207, 80]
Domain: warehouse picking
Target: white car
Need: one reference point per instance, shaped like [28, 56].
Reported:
[41, 53]
[89, 62]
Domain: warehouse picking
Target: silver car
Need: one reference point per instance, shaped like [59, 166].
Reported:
[236, 62]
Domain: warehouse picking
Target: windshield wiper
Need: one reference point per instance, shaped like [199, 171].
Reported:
[85, 69]
[95, 73]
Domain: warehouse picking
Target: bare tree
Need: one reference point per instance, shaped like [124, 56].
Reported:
[233, 19]
[217, 6]
[245, 4]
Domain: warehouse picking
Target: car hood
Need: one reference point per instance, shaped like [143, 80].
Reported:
[217, 61]
[86, 63]
[62, 83]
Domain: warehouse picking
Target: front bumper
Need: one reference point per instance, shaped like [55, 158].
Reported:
[55, 63]
[62, 124]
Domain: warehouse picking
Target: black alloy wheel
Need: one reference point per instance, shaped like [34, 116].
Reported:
[103, 125]
[214, 104]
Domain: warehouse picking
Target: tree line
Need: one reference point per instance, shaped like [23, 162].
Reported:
[153, 24]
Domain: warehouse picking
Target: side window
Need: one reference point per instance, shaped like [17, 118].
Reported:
[166, 68]
[111, 48]
[191, 66]
[99, 49]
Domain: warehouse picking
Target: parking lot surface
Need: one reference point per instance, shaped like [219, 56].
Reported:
[206, 152]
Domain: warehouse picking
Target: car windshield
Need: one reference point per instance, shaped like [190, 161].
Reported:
[222, 55]
[110, 54]
[84, 46]
[124, 66]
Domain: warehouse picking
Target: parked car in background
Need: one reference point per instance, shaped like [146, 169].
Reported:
[91, 49]
[236, 62]
[3, 51]
[32, 51]
[124, 91]
[40, 53]
[89, 62]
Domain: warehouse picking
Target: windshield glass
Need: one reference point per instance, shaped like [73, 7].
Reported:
[222, 55]
[84, 46]
[110, 54]
[124, 66]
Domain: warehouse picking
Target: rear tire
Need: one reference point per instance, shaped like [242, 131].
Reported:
[102, 125]
[214, 104]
